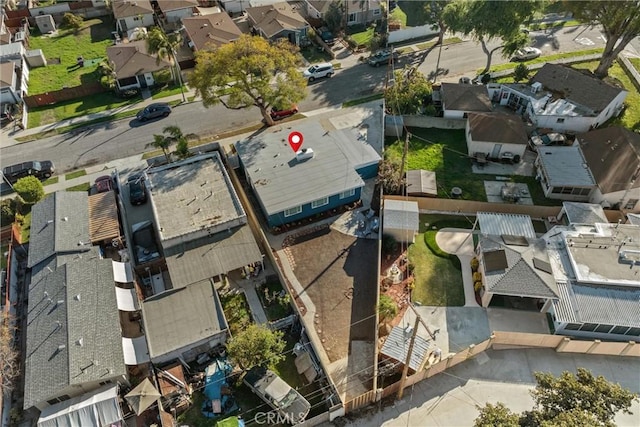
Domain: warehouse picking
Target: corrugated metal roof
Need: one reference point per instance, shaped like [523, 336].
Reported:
[498, 224]
[584, 213]
[606, 305]
[565, 166]
[397, 345]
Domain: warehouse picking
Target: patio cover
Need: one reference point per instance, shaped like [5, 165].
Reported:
[103, 217]
[127, 299]
[135, 350]
[99, 408]
[122, 272]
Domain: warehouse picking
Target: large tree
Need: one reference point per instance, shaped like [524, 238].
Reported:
[566, 400]
[30, 189]
[256, 345]
[434, 11]
[250, 72]
[486, 20]
[164, 46]
[407, 93]
[620, 21]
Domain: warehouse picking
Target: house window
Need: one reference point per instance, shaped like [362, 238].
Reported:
[376, 12]
[293, 211]
[320, 202]
[352, 17]
[633, 331]
[604, 329]
[348, 193]
[585, 192]
[59, 399]
[137, 18]
[560, 120]
[631, 204]
[105, 382]
[589, 327]
[572, 327]
[620, 330]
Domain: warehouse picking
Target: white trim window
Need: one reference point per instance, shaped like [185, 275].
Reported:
[293, 211]
[376, 12]
[348, 193]
[352, 18]
[320, 202]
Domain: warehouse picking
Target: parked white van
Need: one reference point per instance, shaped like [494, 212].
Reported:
[318, 71]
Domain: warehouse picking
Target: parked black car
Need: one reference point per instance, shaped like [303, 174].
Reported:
[327, 37]
[382, 57]
[41, 170]
[151, 111]
[137, 189]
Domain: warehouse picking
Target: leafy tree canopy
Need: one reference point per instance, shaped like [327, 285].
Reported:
[407, 94]
[29, 189]
[567, 400]
[334, 16]
[620, 21]
[256, 346]
[250, 72]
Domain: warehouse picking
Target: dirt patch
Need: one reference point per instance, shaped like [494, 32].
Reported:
[399, 292]
[338, 272]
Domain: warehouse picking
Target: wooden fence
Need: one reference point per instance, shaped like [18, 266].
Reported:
[65, 94]
[501, 341]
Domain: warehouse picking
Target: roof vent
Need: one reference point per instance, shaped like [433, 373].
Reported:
[535, 87]
[77, 297]
[65, 218]
[304, 154]
[80, 342]
[61, 347]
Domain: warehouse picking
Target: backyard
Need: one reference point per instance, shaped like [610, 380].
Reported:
[445, 152]
[438, 278]
[62, 52]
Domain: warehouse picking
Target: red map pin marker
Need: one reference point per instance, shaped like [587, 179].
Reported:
[295, 141]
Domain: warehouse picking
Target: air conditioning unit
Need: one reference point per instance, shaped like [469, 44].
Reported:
[19, 36]
[304, 154]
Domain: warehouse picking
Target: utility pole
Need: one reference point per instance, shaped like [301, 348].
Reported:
[405, 370]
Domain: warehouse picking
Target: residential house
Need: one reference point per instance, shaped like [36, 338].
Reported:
[134, 65]
[421, 183]
[173, 11]
[10, 88]
[14, 72]
[100, 407]
[277, 21]
[73, 336]
[495, 134]
[613, 156]
[210, 31]
[562, 99]
[130, 14]
[358, 11]
[183, 322]
[564, 174]
[458, 100]
[400, 220]
[328, 173]
[581, 274]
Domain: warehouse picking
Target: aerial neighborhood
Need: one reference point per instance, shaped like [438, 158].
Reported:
[269, 212]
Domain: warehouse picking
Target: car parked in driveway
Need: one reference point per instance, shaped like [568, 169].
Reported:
[328, 38]
[104, 184]
[152, 111]
[526, 53]
[277, 114]
[381, 57]
[137, 189]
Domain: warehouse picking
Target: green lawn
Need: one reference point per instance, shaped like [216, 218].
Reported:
[364, 37]
[362, 100]
[96, 103]
[52, 180]
[62, 52]
[398, 16]
[543, 59]
[636, 63]
[75, 174]
[314, 56]
[445, 152]
[438, 278]
[169, 90]
[80, 187]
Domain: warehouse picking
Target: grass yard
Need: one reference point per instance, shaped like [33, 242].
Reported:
[364, 37]
[398, 16]
[445, 152]
[75, 174]
[413, 12]
[543, 59]
[96, 103]
[557, 24]
[26, 226]
[169, 90]
[52, 180]
[62, 52]
[80, 187]
[278, 308]
[635, 62]
[314, 56]
[362, 100]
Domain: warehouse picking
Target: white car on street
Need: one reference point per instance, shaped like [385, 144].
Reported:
[526, 53]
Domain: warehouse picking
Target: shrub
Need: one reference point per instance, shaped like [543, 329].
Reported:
[477, 276]
[486, 78]
[388, 244]
[29, 189]
[162, 77]
[8, 211]
[520, 73]
[387, 308]
[477, 286]
[351, 42]
[474, 264]
[71, 21]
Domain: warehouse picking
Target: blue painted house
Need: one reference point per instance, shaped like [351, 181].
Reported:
[289, 187]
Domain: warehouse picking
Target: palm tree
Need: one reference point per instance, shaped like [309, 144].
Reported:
[164, 46]
[162, 142]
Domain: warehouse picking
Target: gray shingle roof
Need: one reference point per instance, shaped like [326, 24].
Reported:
[179, 317]
[608, 305]
[59, 222]
[210, 256]
[73, 329]
[397, 345]
[400, 215]
[496, 127]
[465, 97]
[576, 86]
[565, 166]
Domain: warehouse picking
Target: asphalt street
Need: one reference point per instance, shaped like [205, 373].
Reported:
[109, 141]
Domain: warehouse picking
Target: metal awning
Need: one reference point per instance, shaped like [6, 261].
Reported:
[122, 272]
[135, 350]
[99, 408]
[127, 299]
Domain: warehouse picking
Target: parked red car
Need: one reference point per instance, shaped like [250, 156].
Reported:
[104, 184]
[281, 114]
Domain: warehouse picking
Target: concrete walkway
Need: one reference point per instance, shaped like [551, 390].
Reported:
[459, 242]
